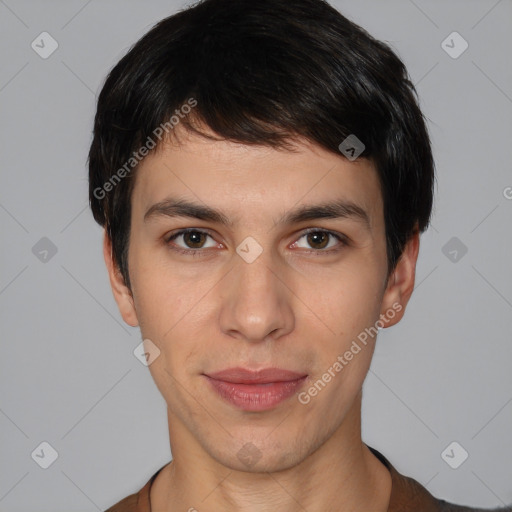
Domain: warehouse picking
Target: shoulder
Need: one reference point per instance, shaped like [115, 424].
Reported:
[137, 502]
[409, 495]
[444, 506]
[128, 504]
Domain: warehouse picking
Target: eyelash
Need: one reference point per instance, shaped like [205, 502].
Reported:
[194, 252]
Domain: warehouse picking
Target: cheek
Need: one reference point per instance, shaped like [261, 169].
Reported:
[172, 312]
[159, 294]
[349, 305]
[346, 302]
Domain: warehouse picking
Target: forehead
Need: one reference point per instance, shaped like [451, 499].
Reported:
[251, 181]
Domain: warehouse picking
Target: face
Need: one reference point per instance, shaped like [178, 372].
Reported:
[255, 258]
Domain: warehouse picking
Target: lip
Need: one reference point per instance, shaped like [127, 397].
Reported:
[255, 390]
[264, 376]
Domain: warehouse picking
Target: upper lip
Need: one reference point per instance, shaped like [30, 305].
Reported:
[263, 376]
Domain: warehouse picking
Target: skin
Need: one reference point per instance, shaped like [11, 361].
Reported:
[294, 307]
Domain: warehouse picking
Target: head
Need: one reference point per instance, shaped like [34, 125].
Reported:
[226, 119]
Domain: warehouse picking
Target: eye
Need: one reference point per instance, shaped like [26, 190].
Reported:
[193, 240]
[320, 240]
[190, 241]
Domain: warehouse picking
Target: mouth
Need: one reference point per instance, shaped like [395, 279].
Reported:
[255, 390]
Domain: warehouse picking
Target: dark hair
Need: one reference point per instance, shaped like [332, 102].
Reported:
[264, 72]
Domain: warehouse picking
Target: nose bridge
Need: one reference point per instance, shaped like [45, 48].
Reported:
[256, 303]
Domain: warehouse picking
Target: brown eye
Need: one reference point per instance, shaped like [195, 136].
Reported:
[318, 239]
[194, 239]
[190, 239]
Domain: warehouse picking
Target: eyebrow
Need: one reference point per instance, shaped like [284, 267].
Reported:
[340, 209]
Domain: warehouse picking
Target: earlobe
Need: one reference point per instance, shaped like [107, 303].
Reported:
[121, 292]
[401, 283]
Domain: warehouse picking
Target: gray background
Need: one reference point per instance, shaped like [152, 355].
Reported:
[68, 374]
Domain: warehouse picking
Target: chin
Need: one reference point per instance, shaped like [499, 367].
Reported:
[259, 456]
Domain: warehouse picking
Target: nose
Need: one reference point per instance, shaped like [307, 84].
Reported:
[256, 302]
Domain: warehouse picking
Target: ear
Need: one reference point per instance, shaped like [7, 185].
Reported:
[400, 283]
[122, 293]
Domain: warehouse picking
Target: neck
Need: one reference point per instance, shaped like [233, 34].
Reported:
[342, 475]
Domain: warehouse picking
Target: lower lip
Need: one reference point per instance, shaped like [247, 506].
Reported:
[256, 397]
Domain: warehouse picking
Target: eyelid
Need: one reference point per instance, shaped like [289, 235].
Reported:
[169, 237]
[342, 239]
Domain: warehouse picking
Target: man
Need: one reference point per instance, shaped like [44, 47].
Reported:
[263, 173]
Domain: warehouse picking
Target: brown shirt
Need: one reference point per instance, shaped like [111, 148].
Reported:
[407, 495]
